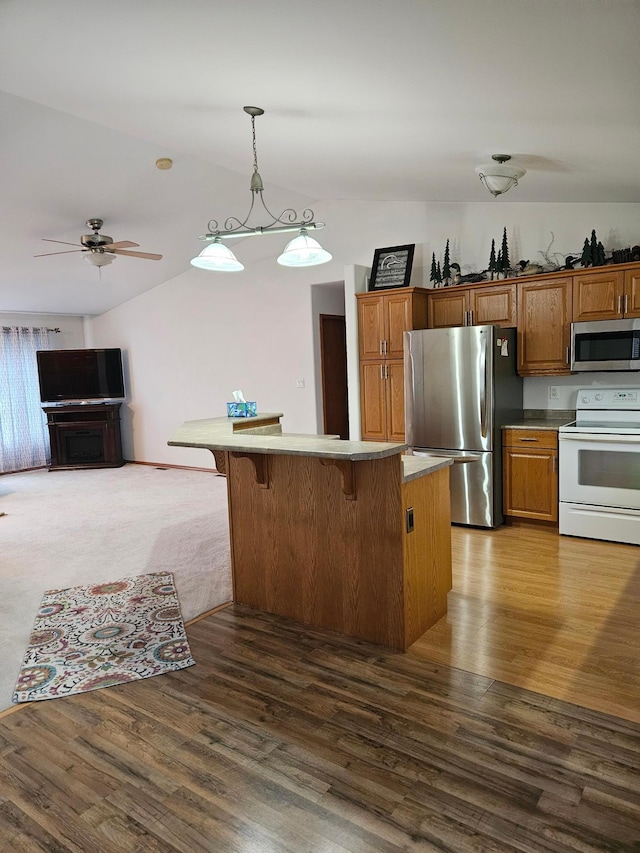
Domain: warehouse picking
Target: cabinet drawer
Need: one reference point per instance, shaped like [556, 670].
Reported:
[532, 437]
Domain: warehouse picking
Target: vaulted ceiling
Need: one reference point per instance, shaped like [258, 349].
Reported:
[364, 99]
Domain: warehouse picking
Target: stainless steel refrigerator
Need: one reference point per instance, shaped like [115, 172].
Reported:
[461, 386]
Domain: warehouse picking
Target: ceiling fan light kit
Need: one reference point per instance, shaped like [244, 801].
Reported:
[302, 251]
[497, 177]
[99, 258]
[99, 249]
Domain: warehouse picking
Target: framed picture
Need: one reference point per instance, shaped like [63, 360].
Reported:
[391, 267]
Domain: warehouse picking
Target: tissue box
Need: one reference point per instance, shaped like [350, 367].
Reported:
[242, 410]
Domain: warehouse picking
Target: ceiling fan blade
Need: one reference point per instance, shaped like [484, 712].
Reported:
[64, 242]
[147, 255]
[67, 252]
[122, 244]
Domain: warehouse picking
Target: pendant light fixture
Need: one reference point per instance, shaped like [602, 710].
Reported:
[497, 177]
[302, 251]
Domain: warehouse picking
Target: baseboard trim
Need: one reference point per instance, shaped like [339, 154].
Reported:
[168, 465]
[208, 613]
[24, 470]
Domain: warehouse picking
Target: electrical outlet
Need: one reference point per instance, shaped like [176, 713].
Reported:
[553, 392]
[299, 383]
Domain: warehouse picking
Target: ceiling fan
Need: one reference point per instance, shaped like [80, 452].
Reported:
[99, 249]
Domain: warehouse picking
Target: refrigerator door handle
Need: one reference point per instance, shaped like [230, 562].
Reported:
[483, 390]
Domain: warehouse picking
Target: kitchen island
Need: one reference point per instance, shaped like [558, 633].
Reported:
[350, 536]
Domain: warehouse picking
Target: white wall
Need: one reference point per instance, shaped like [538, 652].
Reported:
[194, 339]
[537, 388]
[71, 335]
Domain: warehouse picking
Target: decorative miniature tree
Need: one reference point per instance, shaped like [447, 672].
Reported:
[439, 273]
[585, 258]
[504, 251]
[499, 264]
[601, 259]
[594, 249]
[434, 270]
[446, 268]
[492, 260]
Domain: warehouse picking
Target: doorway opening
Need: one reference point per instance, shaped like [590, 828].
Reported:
[333, 366]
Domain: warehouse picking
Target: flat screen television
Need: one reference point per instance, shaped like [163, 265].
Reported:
[72, 375]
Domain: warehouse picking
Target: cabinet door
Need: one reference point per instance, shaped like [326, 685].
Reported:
[394, 382]
[371, 326]
[373, 407]
[448, 308]
[494, 305]
[398, 319]
[530, 483]
[632, 293]
[544, 326]
[598, 296]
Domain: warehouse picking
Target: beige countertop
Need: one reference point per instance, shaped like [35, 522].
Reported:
[417, 466]
[218, 434]
[538, 423]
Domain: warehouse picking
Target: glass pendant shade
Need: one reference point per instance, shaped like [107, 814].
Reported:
[497, 177]
[99, 259]
[303, 251]
[217, 257]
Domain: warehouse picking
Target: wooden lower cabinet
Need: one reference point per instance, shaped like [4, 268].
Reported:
[382, 400]
[530, 474]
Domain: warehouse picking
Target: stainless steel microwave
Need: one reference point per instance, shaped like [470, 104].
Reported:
[605, 345]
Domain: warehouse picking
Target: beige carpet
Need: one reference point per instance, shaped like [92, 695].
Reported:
[68, 528]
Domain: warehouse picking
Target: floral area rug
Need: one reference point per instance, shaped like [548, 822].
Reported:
[88, 637]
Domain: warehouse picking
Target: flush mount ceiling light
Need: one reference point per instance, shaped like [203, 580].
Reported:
[497, 177]
[302, 251]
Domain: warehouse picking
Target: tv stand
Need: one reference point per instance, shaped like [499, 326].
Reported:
[84, 435]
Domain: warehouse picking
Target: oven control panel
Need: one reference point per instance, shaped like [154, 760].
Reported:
[608, 398]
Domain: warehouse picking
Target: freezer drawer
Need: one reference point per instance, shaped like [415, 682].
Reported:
[475, 500]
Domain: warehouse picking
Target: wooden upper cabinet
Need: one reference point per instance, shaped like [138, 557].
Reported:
[493, 304]
[447, 307]
[371, 326]
[384, 317]
[544, 326]
[598, 295]
[632, 293]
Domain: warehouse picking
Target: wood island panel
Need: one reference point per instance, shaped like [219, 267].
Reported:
[324, 542]
[302, 550]
[427, 553]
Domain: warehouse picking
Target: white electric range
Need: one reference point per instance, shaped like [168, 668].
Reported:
[600, 466]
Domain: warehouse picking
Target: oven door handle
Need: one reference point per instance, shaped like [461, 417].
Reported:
[609, 438]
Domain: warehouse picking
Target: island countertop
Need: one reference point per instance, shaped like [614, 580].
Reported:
[218, 434]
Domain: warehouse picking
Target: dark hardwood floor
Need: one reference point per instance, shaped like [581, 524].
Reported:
[286, 739]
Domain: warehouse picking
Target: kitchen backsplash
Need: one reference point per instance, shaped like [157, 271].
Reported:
[559, 393]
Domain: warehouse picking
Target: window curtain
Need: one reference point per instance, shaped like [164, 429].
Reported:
[24, 438]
